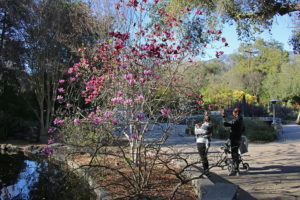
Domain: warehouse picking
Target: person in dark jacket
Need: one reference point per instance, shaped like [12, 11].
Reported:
[237, 128]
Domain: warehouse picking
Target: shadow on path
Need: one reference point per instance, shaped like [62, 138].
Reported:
[275, 169]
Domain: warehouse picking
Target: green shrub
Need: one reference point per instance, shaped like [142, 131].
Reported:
[257, 131]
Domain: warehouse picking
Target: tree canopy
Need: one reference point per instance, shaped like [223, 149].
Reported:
[249, 15]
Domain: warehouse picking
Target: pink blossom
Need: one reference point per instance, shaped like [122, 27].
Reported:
[68, 105]
[199, 102]
[133, 3]
[119, 93]
[157, 27]
[157, 77]
[140, 115]
[143, 80]
[223, 39]
[211, 106]
[48, 151]
[116, 100]
[107, 115]
[204, 45]
[200, 96]
[61, 90]
[51, 130]
[189, 94]
[140, 98]
[123, 66]
[91, 114]
[59, 98]
[77, 121]
[216, 37]
[156, 1]
[128, 76]
[61, 81]
[117, 6]
[58, 121]
[114, 121]
[147, 72]
[70, 70]
[156, 62]
[134, 136]
[130, 82]
[72, 79]
[164, 111]
[50, 141]
[198, 12]
[97, 120]
[218, 32]
[78, 74]
[128, 101]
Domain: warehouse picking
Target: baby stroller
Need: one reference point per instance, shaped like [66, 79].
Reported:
[225, 159]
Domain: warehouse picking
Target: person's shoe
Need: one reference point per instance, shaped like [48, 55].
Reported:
[232, 173]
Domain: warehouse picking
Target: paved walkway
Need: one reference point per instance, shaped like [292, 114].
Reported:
[274, 167]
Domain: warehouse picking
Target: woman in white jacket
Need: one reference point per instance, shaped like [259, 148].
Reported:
[203, 133]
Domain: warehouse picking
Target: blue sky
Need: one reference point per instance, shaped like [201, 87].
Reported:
[281, 31]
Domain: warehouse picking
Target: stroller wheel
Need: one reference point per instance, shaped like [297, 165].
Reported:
[246, 166]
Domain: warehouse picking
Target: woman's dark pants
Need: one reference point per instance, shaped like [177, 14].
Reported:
[203, 154]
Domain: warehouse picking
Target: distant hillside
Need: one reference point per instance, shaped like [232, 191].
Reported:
[225, 60]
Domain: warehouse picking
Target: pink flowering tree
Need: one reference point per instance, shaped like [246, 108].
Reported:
[128, 89]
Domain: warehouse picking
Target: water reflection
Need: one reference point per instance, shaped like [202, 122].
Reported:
[23, 178]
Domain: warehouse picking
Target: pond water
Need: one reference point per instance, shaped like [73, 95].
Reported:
[26, 178]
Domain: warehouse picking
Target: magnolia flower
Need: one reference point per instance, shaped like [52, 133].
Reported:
[134, 136]
[198, 12]
[72, 79]
[59, 97]
[157, 77]
[128, 76]
[61, 81]
[140, 115]
[164, 111]
[77, 121]
[143, 80]
[119, 93]
[58, 120]
[50, 141]
[199, 102]
[97, 120]
[61, 90]
[70, 70]
[48, 151]
[116, 100]
[130, 82]
[147, 72]
[107, 115]
[140, 98]
[51, 130]
[114, 121]
[200, 96]
[128, 101]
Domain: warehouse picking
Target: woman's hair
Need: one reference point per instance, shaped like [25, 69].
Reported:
[206, 118]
